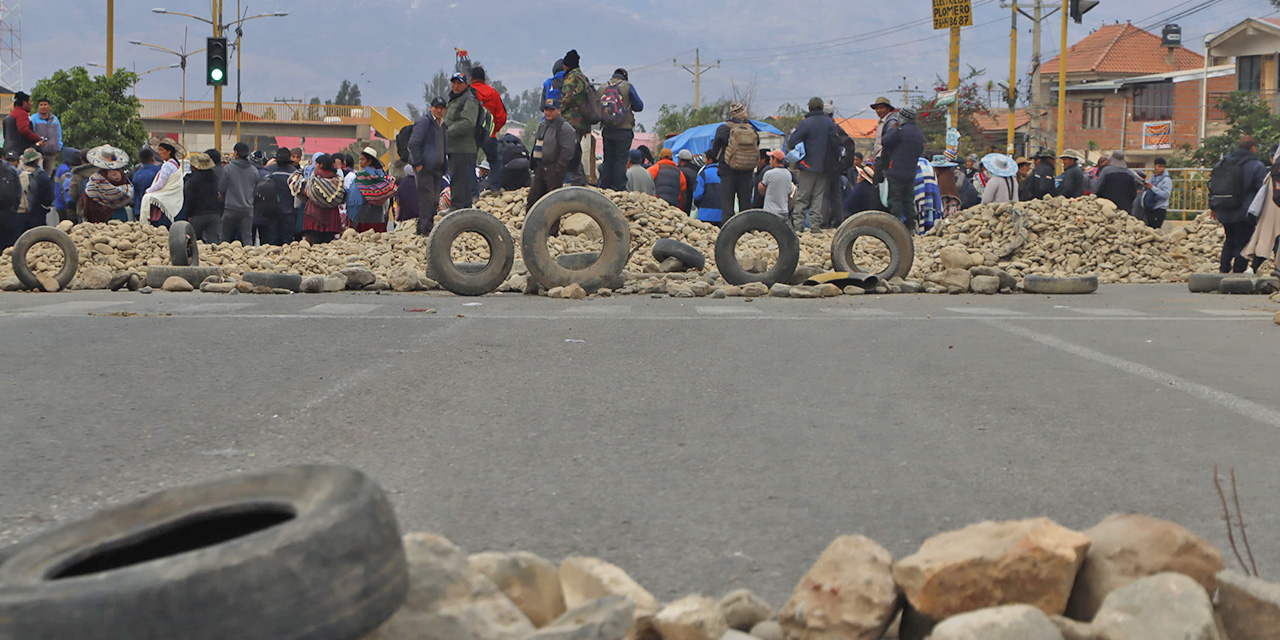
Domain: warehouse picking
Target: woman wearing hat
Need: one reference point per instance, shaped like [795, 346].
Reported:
[108, 191]
[1002, 182]
[202, 199]
[164, 198]
[372, 190]
[324, 192]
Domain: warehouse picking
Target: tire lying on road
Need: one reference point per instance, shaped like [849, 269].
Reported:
[442, 268]
[757, 220]
[883, 227]
[671, 248]
[298, 552]
[543, 269]
[290, 281]
[1059, 286]
[157, 274]
[70, 256]
[183, 250]
[1246, 284]
[1205, 282]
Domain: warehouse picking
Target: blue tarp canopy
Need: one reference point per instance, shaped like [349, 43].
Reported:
[698, 139]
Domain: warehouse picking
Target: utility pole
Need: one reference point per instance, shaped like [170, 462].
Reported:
[1012, 91]
[697, 70]
[907, 92]
[111, 37]
[1062, 83]
[1035, 137]
[954, 82]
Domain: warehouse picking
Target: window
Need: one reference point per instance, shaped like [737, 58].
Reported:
[1249, 74]
[1153, 101]
[1092, 113]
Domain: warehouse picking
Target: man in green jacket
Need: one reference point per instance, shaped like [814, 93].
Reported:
[574, 101]
[460, 126]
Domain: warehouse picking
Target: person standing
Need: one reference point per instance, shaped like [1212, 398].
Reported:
[10, 199]
[1071, 183]
[241, 179]
[460, 124]
[1156, 193]
[367, 200]
[49, 128]
[322, 221]
[61, 194]
[283, 219]
[638, 178]
[427, 155]
[1091, 176]
[1229, 203]
[973, 169]
[816, 133]
[762, 165]
[735, 149]
[492, 102]
[903, 146]
[1024, 172]
[18, 134]
[839, 154]
[201, 199]
[143, 176]
[1041, 182]
[776, 187]
[1266, 209]
[107, 191]
[1120, 185]
[166, 196]
[39, 193]
[1002, 179]
[552, 152]
[706, 194]
[668, 180]
[619, 104]
[883, 109]
[690, 170]
[573, 103]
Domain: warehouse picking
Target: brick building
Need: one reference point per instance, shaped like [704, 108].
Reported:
[1125, 90]
[1255, 45]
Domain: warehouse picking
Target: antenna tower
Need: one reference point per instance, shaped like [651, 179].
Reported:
[11, 45]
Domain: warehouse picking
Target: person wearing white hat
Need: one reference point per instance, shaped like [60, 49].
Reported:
[108, 191]
[1002, 185]
[367, 201]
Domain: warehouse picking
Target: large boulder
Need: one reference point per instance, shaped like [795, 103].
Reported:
[989, 564]
[528, 580]
[448, 600]
[585, 579]
[358, 277]
[94, 277]
[1010, 622]
[1126, 547]
[955, 257]
[403, 278]
[608, 618]
[1249, 607]
[690, 618]
[848, 594]
[743, 609]
[1166, 606]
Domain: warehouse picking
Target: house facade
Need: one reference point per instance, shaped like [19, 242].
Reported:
[1254, 44]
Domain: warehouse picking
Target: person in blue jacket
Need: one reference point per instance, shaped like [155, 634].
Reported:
[143, 176]
[707, 194]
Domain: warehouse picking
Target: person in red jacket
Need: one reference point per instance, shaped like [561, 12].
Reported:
[491, 101]
[18, 134]
[669, 182]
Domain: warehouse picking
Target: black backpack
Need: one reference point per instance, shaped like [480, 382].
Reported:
[402, 142]
[1226, 185]
[10, 189]
[265, 203]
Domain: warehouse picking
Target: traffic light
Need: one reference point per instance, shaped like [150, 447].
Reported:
[1080, 7]
[216, 62]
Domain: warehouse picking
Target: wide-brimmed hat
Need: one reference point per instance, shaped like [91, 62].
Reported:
[201, 161]
[1022, 160]
[941, 161]
[108, 157]
[155, 141]
[1044, 153]
[1071, 153]
[32, 156]
[369, 151]
[1000, 165]
[882, 102]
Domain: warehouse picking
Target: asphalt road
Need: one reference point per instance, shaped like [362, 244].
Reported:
[702, 445]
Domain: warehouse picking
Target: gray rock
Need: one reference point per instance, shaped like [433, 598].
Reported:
[144, 290]
[135, 282]
[672, 265]
[718, 294]
[803, 273]
[854, 291]
[1006, 281]
[754, 290]
[1011, 622]
[804, 291]
[217, 287]
[49, 285]
[1249, 607]
[11, 284]
[528, 580]
[608, 618]
[334, 283]
[405, 279]
[428, 283]
[768, 630]
[743, 609]
[911, 286]
[313, 284]
[1073, 629]
[94, 277]
[780, 290]
[986, 285]
[177, 284]
[358, 277]
[280, 291]
[1161, 607]
[379, 285]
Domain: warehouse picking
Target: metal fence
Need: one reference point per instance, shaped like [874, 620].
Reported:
[257, 111]
[1190, 193]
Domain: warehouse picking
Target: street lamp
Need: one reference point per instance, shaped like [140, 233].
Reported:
[182, 63]
[218, 27]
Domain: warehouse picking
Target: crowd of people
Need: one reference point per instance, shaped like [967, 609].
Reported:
[817, 183]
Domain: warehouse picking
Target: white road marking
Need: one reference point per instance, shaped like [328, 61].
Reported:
[863, 312]
[210, 307]
[611, 310]
[1235, 313]
[75, 306]
[987, 311]
[341, 309]
[1108, 313]
[1247, 408]
[728, 311]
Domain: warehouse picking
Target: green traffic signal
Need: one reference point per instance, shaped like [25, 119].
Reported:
[216, 62]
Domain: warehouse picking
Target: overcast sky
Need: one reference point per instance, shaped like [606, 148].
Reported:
[848, 51]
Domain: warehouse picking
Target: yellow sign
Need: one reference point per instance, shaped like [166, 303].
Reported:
[952, 13]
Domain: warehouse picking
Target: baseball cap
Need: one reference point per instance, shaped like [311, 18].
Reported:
[686, 154]
[777, 154]
[460, 77]
[439, 102]
[551, 103]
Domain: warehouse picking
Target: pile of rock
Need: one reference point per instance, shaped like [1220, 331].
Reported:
[1131, 577]
[1060, 237]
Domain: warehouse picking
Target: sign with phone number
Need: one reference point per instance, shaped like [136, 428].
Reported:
[952, 13]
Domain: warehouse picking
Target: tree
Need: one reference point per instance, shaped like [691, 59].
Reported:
[413, 111]
[95, 110]
[675, 119]
[313, 110]
[1246, 114]
[932, 118]
[269, 113]
[525, 108]
[356, 147]
[789, 115]
[437, 88]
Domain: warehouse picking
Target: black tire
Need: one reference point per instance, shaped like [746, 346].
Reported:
[883, 227]
[1060, 286]
[543, 270]
[1205, 282]
[1237, 284]
[183, 250]
[70, 256]
[290, 281]
[579, 261]
[502, 253]
[757, 220]
[156, 275]
[668, 248]
[299, 552]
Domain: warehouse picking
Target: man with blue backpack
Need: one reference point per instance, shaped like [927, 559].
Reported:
[619, 103]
